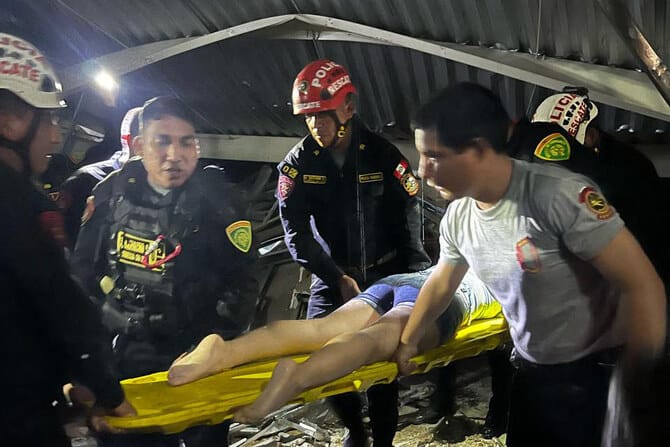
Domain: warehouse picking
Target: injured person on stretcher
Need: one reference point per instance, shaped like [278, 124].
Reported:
[364, 330]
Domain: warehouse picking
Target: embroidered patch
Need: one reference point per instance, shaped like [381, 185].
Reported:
[314, 179]
[553, 147]
[371, 177]
[410, 184]
[239, 234]
[131, 248]
[289, 170]
[88, 211]
[528, 256]
[284, 187]
[400, 169]
[596, 203]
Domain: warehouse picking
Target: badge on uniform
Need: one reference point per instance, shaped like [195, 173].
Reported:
[528, 256]
[239, 234]
[410, 183]
[400, 169]
[314, 179]
[88, 211]
[553, 147]
[371, 177]
[596, 203]
[131, 249]
[289, 170]
[285, 187]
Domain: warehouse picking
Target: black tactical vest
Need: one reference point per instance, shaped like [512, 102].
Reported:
[146, 231]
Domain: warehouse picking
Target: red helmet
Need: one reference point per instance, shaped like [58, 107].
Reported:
[322, 85]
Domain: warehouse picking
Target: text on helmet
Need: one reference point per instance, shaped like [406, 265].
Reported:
[322, 72]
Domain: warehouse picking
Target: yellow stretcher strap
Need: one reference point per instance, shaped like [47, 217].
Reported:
[168, 409]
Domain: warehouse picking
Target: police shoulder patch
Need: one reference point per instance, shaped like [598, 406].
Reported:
[553, 147]
[596, 203]
[410, 184]
[285, 186]
[239, 234]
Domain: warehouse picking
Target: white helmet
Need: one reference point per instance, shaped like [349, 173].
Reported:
[573, 111]
[25, 72]
[128, 125]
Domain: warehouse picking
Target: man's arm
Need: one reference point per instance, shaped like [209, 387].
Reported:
[73, 194]
[624, 264]
[65, 316]
[433, 299]
[90, 250]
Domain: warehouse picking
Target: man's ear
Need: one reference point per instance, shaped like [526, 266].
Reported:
[137, 146]
[349, 108]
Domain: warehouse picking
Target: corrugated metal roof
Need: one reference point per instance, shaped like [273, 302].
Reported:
[243, 85]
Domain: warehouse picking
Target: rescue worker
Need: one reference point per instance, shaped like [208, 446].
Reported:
[76, 189]
[42, 346]
[348, 206]
[628, 178]
[166, 250]
[575, 286]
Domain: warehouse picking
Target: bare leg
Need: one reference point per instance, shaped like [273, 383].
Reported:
[280, 338]
[340, 356]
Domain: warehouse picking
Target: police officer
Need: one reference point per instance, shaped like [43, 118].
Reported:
[347, 201]
[164, 246]
[42, 346]
[76, 189]
[628, 178]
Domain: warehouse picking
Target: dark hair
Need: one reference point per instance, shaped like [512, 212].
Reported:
[10, 102]
[462, 113]
[161, 106]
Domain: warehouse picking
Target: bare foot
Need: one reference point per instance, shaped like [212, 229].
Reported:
[279, 390]
[206, 359]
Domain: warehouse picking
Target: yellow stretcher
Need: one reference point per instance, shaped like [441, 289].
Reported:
[167, 409]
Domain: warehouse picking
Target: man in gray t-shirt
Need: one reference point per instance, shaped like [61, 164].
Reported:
[542, 232]
[573, 282]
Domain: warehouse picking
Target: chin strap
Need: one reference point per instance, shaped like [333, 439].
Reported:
[341, 129]
[22, 147]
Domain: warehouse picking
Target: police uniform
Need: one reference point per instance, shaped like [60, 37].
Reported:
[51, 330]
[325, 224]
[627, 178]
[361, 219]
[174, 267]
[76, 189]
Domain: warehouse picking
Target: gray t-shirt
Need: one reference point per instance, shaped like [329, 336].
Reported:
[531, 249]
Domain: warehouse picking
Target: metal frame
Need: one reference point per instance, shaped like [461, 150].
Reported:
[626, 89]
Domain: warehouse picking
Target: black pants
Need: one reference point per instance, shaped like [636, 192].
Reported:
[560, 405]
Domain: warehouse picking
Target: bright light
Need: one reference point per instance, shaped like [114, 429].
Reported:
[105, 81]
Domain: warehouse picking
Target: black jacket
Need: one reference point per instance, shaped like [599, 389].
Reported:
[311, 185]
[211, 282]
[51, 331]
[77, 187]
